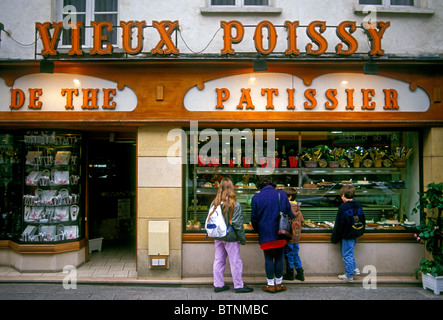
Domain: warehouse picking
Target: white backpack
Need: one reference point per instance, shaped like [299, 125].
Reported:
[215, 224]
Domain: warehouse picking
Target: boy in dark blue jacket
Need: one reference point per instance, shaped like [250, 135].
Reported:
[349, 225]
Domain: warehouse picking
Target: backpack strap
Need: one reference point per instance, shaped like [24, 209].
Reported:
[227, 221]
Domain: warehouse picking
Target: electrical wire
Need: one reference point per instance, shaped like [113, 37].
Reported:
[196, 52]
[18, 42]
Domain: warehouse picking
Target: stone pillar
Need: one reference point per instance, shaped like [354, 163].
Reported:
[159, 198]
[432, 156]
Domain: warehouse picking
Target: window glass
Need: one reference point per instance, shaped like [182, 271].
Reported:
[87, 11]
[383, 166]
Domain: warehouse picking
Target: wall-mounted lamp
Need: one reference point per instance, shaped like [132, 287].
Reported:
[2, 28]
[370, 68]
[46, 66]
[260, 65]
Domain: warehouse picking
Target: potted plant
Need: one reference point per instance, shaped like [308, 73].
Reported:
[430, 206]
[334, 155]
[310, 156]
[356, 155]
[377, 155]
[399, 155]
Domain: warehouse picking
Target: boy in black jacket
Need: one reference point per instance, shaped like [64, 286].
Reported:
[349, 225]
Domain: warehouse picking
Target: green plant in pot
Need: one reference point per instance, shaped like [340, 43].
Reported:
[430, 206]
[310, 156]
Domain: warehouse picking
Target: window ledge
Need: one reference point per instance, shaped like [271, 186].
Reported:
[394, 9]
[241, 10]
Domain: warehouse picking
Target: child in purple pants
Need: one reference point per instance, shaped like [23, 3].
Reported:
[224, 249]
[228, 246]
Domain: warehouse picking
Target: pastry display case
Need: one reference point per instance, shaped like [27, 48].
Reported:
[52, 189]
[383, 166]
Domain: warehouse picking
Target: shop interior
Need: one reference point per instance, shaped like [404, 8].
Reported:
[111, 167]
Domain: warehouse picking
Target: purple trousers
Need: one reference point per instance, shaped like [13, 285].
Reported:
[223, 250]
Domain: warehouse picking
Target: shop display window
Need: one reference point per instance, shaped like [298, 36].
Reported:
[383, 166]
[51, 187]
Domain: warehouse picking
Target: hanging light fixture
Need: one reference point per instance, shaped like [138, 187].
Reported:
[260, 64]
[46, 66]
[370, 67]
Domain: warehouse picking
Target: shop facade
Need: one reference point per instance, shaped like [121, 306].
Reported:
[307, 119]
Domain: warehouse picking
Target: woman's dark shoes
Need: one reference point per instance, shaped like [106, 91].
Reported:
[220, 289]
[245, 289]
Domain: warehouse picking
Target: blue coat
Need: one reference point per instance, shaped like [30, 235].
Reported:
[265, 212]
[350, 222]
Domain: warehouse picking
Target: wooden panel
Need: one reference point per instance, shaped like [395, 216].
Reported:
[43, 248]
[315, 237]
[176, 78]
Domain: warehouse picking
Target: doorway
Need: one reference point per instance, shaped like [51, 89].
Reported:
[111, 192]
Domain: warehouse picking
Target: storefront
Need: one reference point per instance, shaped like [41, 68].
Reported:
[314, 123]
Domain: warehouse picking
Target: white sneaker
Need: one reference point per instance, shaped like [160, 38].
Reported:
[345, 277]
[357, 272]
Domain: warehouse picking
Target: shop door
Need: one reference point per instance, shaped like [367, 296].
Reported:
[111, 191]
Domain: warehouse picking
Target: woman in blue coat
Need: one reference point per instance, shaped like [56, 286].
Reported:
[265, 215]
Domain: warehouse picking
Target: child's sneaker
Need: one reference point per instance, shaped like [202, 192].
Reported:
[345, 277]
[357, 272]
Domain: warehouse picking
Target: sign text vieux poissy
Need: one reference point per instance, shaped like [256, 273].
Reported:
[233, 33]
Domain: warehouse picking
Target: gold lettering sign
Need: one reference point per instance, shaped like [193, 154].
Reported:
[233, 33]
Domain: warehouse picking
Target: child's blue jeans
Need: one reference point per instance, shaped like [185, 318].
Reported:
[347, 252]
[291, 256]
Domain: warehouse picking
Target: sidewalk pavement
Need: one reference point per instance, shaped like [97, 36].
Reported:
[313, 288]
[109, 275]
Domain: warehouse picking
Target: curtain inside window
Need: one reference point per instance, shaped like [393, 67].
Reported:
[222, 2]
[80, 5]
[256, 2]
[391, 2]
[402, 2]
[106, 5]
[112, 37]
[66, 34]
[379, 2]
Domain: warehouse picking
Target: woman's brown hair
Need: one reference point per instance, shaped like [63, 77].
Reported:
[225, 197]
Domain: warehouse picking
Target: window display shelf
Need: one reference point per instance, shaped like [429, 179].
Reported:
[52, 189]
[318, 164]
[247, 170]
[296, 171]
